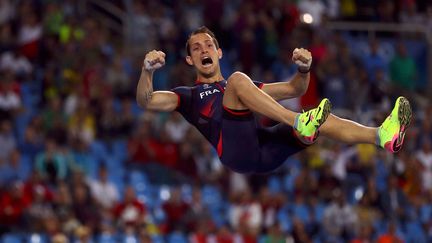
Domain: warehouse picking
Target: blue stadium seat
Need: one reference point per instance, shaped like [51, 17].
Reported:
[284, 220]
[274, 184]
[119, 149]
[157, 239]
[301, 211]
[425, 213]
[176, 237]
[11, 238]
[129, 239]
[106, 238]
[415, 232]
[211, 196]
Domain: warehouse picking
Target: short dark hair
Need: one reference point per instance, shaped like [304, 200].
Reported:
[204, 30]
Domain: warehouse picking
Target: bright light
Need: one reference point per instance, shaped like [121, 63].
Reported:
[307, 18]
[358, 194]
[164, 193]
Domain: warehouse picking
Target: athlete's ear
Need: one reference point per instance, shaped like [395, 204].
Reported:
[220, 54]
[189, 60]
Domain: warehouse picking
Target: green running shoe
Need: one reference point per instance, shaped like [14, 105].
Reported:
[308, 123]
[391, 133]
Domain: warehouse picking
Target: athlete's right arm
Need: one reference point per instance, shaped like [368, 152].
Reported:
[145, 96]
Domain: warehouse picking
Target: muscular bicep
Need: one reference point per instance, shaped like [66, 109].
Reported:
[162, 101]
[280, 91]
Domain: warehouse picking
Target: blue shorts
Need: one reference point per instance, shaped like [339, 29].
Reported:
[247, 148]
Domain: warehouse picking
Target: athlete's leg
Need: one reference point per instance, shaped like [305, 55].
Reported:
[389, 135]
[348, 131]
[241, 93]
[277, 143]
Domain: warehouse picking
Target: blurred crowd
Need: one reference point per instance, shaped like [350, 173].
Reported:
[80, 161]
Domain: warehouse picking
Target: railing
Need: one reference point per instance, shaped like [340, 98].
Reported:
[372, 28]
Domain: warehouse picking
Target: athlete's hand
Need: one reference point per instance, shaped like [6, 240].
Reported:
[303, 59]
[154, 60]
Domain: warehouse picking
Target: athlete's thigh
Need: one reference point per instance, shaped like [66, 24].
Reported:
[277, 143]
[239, 143]
[231, 99]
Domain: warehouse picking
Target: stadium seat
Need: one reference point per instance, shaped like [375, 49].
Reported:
[301, 212]
[274, 184]
[415, 232]
[157, 239]
[106, 238]
[176, 237]
[11, 238]
[129, 239]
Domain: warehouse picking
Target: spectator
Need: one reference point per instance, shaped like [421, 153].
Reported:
[53, 116]
[364, 235]
[197, 211]
[63, 208]
[245, 213]
[393, 201]
[7, 140]
[51, 164]
[208, 164]
[85, 208]
[40, 209]
[299, 233]
[32, 143]
[127, 118]
[13, 204]
[425, 158]
[117, 78]
[373, 61]
[340, 218]
[176, 127]
[59, 238]
[140, 146]
[15, 62]
[11, 169]
[103, 191]
[10, 101]
[390, 235]
[403, 70]
[275, 235]
[176, 210]
[82, 123]
[130, 212]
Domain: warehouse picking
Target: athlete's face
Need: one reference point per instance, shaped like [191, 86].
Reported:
[204, 55]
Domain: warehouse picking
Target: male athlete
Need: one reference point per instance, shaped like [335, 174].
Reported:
[223, 110]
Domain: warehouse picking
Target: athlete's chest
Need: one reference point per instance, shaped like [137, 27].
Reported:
[209, 99]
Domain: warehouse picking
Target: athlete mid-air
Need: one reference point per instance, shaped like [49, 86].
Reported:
[223, 110]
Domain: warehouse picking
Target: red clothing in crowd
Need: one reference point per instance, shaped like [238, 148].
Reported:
[12, 208]
[130, 213]
[174, 213]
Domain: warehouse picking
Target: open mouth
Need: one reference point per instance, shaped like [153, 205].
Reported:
[206, 61]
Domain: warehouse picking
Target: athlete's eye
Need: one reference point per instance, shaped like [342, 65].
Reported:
[210, 45]
[195, 49]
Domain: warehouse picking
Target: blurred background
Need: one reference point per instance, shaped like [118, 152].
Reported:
[80, 162]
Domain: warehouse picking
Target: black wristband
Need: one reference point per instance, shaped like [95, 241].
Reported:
[302, 71]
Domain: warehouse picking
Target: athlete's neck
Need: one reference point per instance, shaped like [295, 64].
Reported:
[208, 80]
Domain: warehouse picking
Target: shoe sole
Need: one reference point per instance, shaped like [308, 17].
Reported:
[326, 109]
[404, 116]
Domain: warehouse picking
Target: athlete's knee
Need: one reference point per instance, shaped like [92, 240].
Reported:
[237, 79]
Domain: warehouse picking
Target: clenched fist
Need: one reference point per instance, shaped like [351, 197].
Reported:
[303, 59]
[154, 60]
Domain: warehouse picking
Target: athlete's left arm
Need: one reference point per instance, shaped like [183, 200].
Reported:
[298, 84]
